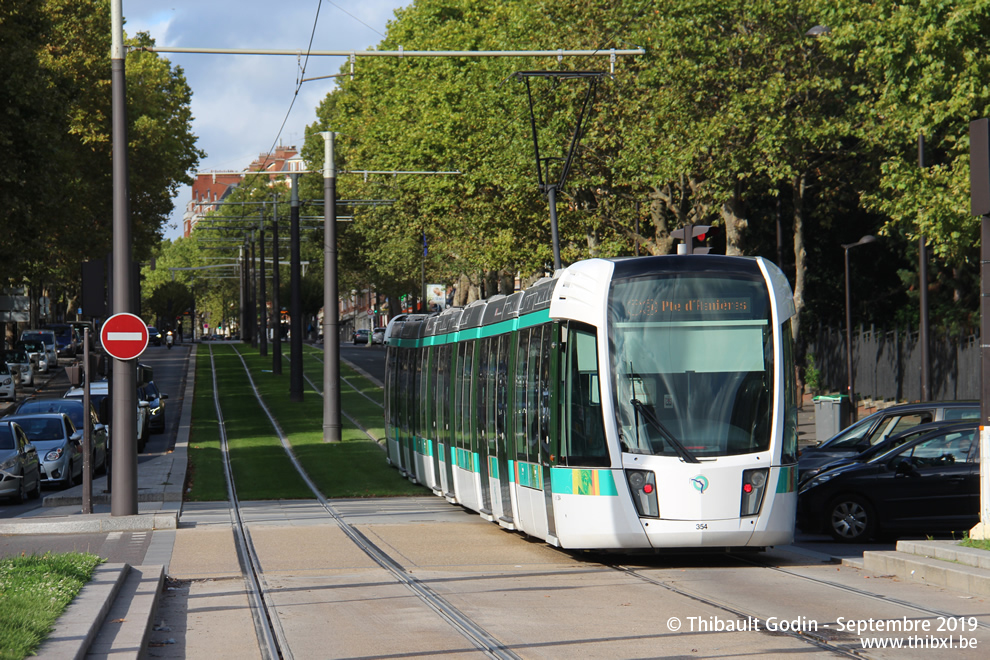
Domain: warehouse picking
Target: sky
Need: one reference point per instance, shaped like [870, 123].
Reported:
[240, 102]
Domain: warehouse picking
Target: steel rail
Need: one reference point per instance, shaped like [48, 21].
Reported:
[271, 637]
[481, 638]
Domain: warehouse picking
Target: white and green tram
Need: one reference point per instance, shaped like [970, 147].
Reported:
[639, 403]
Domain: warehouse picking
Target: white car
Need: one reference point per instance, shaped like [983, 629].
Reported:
[8, 383]
[37, 354]
[19, 362]
[47, 337]
[99, 391]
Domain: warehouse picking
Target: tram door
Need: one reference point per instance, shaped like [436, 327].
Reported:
[480, 425]
[501, 356]
[443, 408]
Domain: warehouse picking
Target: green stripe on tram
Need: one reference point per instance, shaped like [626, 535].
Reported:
[495, 329]
[787, 479]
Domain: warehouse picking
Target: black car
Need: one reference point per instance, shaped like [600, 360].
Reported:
[156, 406]
[928, 485]
[875, 428]
[154, 336]
[890, 442]
[360, 336]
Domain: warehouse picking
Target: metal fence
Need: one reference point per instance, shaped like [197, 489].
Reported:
[887, 364]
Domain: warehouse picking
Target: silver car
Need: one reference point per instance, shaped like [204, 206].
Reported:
[19, 362]
[20, 469]
[58, 443]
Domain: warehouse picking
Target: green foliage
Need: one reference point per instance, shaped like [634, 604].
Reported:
[56, 182]
[34, 591]
[812, 375]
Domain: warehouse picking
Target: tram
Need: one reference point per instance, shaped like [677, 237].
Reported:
[640, 403]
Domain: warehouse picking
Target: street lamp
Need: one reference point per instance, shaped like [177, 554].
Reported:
[849, 360]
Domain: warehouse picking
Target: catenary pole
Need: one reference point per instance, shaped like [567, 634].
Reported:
[295, 298]
[331, 310]
[123, 497]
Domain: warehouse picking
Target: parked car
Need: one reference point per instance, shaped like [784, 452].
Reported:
[8, 383]
[37, 354]
[99, 394]
[378, 336]
[46, 337]
[156, 406]
[928, 485]
[890, 442]
[66, 342]
[360, 336]
[59, 446]
[73, 409]
[20, 364]
[20, 467]
[882, 424]
[154, 336]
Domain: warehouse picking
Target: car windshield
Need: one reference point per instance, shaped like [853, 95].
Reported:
[68, 406]
[17, 356]
[42, 428]
[32, 345]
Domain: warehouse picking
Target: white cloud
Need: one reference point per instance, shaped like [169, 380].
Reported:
[239, 101]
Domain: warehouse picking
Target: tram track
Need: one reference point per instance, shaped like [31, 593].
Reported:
[271, 638]
[824, 641]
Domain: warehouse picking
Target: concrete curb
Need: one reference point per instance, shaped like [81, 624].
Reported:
[78, 626]
[938, 563]
[128, 623]
[91, 523]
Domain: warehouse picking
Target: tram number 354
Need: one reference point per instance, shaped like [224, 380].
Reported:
[701, 526]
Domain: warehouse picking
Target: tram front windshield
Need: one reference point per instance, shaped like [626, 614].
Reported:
[692, 357]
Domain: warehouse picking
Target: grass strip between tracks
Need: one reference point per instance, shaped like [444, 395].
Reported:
[34, 591]
[355, 467]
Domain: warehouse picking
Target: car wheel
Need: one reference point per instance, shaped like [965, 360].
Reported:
[36, 492]
[22, 494]
[850, 519]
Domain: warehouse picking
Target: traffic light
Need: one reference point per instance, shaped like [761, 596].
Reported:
[699, 239]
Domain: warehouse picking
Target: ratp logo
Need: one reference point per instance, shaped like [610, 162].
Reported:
[700, 483]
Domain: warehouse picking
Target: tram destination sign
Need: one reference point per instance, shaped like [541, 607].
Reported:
[694, 306]
[124, 336]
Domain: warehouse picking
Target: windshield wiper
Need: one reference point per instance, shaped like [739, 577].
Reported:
[651, 418]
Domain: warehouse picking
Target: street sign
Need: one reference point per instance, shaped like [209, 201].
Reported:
[124, 336]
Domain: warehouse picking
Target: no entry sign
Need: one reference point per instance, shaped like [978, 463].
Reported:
[124, 336]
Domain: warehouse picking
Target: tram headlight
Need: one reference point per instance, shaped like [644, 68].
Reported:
[643, 485]
[753, 486]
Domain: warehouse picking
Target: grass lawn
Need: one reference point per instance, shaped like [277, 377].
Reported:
[34, 590]
[982, 544]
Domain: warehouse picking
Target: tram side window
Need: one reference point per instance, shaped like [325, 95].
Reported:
[582, 426]
[502, 390]
[481, 392]
[519, 399]
[422, 369]
[465, 372]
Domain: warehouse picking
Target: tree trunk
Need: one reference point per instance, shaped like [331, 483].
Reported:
[798, 186]
[735, 223]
